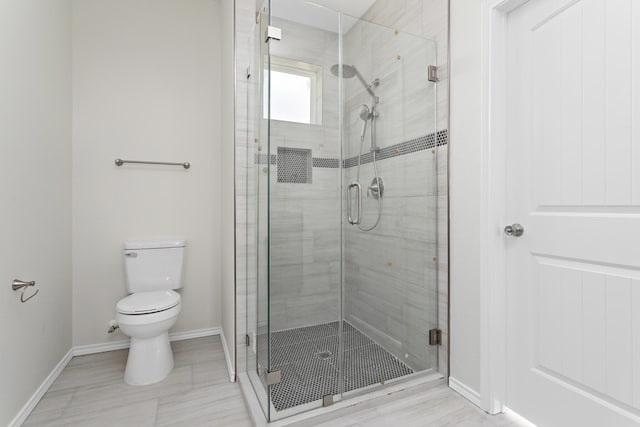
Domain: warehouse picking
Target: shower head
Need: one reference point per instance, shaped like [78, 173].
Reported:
[349, 71]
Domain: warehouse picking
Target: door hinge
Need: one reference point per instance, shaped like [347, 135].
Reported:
[433, 73]
[247, 341]
[435, 337]
[271, 378]
[272, 33]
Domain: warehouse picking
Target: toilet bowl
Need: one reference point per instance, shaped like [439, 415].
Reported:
[150, 356]
[153, 270]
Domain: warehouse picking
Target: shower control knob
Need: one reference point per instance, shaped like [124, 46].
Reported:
[515, 230]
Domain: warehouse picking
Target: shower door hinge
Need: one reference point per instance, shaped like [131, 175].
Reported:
[327, 400]
[272, 33]
[246, 340]
[433, 73]
[435, 337]
[271, 378]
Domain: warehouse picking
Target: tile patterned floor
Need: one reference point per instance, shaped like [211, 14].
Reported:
[91, 392]
[308, 361]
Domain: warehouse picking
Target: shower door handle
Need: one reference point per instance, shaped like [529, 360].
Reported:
[358, 188]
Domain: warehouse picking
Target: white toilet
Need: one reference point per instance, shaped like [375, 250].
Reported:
[153, 270]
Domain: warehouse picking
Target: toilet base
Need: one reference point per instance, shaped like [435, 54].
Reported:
[150, 360]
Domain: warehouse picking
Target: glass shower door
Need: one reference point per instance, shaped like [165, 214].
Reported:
[259, 166]
[390, 299]
[304, 207]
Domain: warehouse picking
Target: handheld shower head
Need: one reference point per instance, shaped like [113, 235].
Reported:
[365, 115]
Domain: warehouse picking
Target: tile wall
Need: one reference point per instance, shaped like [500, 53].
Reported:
[390, 271]
[430, 19]
[305, 233]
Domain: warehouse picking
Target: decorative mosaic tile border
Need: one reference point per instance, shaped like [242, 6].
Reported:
[320, 162]
[427, 142]
[422, 143]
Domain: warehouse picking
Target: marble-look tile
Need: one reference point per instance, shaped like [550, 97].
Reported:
[190, 352]
[105, 367]
[207, 373]
[219, 403]
[99, 397]
[140, 414]
[52, 407]
[201, 406]
[424, 405]
[197, 392]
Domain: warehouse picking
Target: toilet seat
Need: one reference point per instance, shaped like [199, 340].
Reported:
[148, 302]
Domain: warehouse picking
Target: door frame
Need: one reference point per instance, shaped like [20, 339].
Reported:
[493, 203]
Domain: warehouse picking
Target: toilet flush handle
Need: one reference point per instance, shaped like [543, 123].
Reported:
[131, 254]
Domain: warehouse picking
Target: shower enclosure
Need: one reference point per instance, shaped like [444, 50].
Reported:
[341, 202]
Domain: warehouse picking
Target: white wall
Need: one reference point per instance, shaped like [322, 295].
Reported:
[35, 189]
[227, 301]
[146, 85]
[464, 192]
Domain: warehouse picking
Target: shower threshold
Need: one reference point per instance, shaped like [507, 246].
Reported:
[307, 359]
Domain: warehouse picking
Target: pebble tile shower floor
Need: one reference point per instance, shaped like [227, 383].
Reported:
[308, 360]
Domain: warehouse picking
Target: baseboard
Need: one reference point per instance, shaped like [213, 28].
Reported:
[83, 350]
[465, 391]
[35, 398]
[227, 356]
[196, 333]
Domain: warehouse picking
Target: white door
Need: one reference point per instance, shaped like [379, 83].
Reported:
[574, 184]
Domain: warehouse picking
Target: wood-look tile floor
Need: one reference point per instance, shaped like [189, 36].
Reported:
[427, 405]
[91, 392]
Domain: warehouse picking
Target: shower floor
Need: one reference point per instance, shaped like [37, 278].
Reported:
[308, 361]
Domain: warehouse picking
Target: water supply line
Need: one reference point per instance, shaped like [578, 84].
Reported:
[113, 325]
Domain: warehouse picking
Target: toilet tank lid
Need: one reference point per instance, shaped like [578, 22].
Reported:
[159, 244]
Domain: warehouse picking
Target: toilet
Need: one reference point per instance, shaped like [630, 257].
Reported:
[153, 270]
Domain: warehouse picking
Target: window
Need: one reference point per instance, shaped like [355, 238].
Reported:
[296, 91]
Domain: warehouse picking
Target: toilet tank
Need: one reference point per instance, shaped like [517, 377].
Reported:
[154, 265]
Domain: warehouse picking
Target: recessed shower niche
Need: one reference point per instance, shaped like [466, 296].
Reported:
[295, 165]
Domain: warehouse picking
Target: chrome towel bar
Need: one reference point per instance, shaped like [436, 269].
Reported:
[120, 162]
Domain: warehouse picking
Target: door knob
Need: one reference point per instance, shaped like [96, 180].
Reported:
[515, 230]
